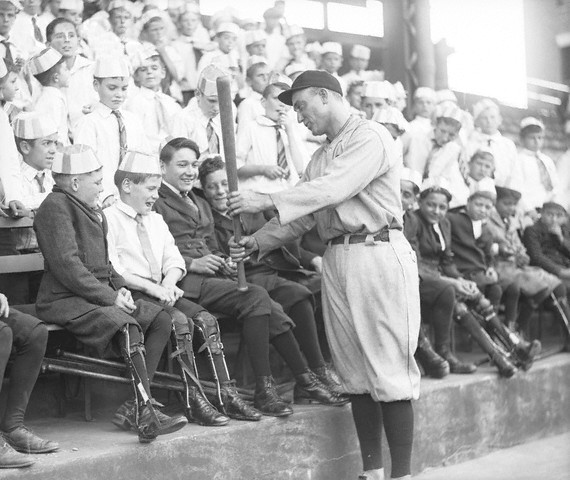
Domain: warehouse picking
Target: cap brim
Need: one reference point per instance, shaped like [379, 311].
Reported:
[287, 96]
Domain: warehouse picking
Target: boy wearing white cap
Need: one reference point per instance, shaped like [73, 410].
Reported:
[358, 61]
[61, 35]
[154, 32]
[199, 121]
[331, 61]
[487, 117]
[143, 251]
[375, 96]
[192, 39]
[538, 172]
[51, 71]
[255, 42]
[295, 41]
[444, 152]
[270, 151]
[257, 78]
[417, 140]
[72, 10]
[226, 55]
[83, 292]
[36, 140]
[108, 129]
[154, 108]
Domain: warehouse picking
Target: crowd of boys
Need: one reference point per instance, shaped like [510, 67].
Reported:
[112, 142]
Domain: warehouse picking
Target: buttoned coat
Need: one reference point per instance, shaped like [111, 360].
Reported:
[79, 285]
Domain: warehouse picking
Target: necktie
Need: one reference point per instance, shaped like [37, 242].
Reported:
[543, 172]
[155, 269]
[160, 114]
[489, 142]
[8, 55]
[213, 140]
[37, 31]
[281, 156]
[122, 134]
[435, 147]
[191, 205]
[40, 177]
[439, 236]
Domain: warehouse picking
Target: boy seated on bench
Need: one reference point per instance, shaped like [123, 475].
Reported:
[142, 250]
[82, 292]
[29, 338]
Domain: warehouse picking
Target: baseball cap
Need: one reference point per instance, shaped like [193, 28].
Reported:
[308, 79]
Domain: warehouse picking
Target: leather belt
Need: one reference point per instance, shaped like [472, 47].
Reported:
[382, 236]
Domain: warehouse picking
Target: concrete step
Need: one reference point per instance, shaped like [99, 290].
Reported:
[458, 418]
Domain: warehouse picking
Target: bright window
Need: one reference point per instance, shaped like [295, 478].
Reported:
[244, 9]
[368, 20]
[306, 13]
[489, 44]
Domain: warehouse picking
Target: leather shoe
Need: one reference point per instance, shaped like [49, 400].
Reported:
[526, 351]
[202, 412]
[455, 365]
[125, 419]
[9, 458]
[309, 389]
[234, 406]
[268, 401]
[23, 440]
[327, 376]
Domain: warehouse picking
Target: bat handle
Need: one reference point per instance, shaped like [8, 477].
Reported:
[241, 280]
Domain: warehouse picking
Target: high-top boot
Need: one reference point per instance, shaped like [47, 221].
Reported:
[236, 407]
[267, 400]
[309, 389]
[524, 351]
[455, 365]
[434, 365]
[329, 377]
[201, 411]
[468, 321]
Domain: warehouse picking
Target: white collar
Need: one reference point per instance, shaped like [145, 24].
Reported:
[126, 209]
[30, 172]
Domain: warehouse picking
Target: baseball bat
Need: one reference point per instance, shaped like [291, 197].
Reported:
[223, 84]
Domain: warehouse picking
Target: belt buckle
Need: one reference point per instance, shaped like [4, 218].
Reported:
[369, 240]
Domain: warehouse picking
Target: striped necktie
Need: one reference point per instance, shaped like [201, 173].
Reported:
[8, 57]
[155, 269]
[122, 134]
[37, 32]
[281, 155]
[543, 172]
[191, 205]
[40, 177]
[213, 140]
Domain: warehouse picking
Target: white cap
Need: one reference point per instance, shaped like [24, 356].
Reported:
[141, 57]
[254, 36]
[445, 96]
[207, 80]
[43, 61]
[378, 89]
[255, 60]
[483, 105]
[16, 4]
[151, 14]
[399, 90]
[228, 27]
[75, 160]
[76, 5]
[293, 68]
[315, 47]
[112, 66]
[32, 125]
[484, 187]
[3, 68]
[391, 115]
[360, 51]
[412, 176]
[123, 4]
[332, 47]
[449, 110]
[277, 77]
[425, 92]
[293, 31]
[526, 122]
[138, 162]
